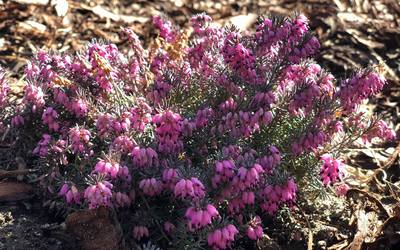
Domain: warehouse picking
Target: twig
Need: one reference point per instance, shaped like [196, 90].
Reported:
[370, 197]
[310, 234]
[389, 162]
[14, 173]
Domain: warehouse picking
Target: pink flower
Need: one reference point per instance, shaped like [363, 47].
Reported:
[165, 28]
[331, 170]
[189, 188]
[380, 130]
[108, 168]
[104, 124]
[150, 187]
[169, 227]
[309, 142]
[239, 58]
[139, 232]
[78, 107]
[362, 85]
[222, 238]
[121, 199]
[34, 95]
[169, 130]
[276, 195]
[123, 144]
[144, 157]
[170, 177]
[199, 218]
[99, 194]
[224, 172]
[254, 233]
[17, 121]
[341, 189]
[141, 115]
[199, 22]
[248, 197]
[42, 147]
[79, 138]
[71, 194]
[50, 117]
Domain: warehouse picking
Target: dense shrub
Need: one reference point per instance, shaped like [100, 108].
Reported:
[197, 139]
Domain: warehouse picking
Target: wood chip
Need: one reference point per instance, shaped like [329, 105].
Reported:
[37, 2]
[103, 13]
[61, 7]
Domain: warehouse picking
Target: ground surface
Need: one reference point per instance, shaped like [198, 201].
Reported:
[21, 228]
[353, 34]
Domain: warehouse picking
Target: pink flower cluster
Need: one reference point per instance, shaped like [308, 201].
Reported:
[34, 95]
[341, 189]
[169, 227]
[123, 144]
[99, 58]
[108, 168]
[199, 22]
[165, 28]
[239, 58]
[222, 238]
[80, 140]
[199, 218]
[380, 130]
[269, 162]
[331, 170]
[99, 194]
[151, 187]
[309, 142]
[224, 171]
[141, 115]
[270, 34]
[247, 177]
[17, 121]
[108, 124]
[243, 123]
[170, 178]
[144, 157]
[274, 195]
[254, 230]
[358, 88]
[78, 107]
[42, 147]
[168, 132]
[121, 200]
[71, 194]
[189, 188]
[209, 128]
[49, 118]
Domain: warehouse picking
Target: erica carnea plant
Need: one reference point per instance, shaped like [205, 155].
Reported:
[197, 139]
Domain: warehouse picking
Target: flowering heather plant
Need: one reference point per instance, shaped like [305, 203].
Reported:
[199, 138]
